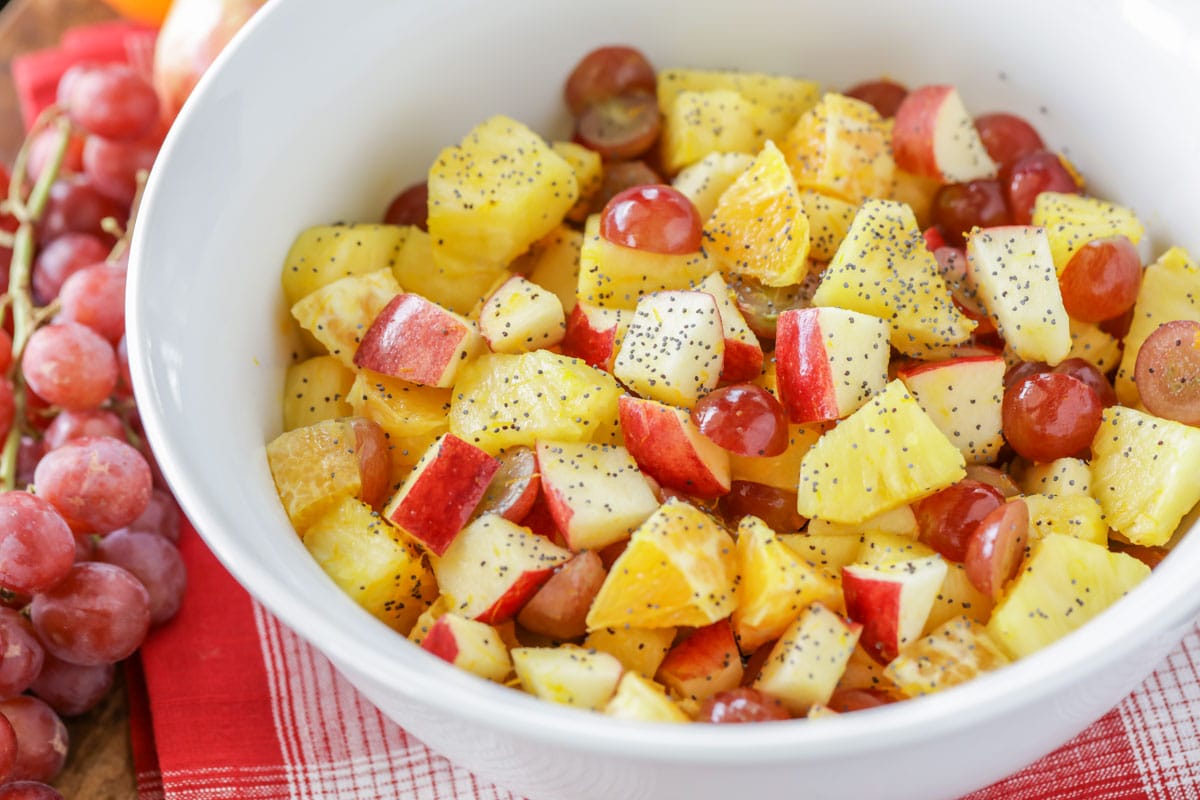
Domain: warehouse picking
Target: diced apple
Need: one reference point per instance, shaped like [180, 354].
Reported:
[559, 609]
[963, 397]
[441, 605]
[639, 650]
[323, 254]
[743, 354]
[594, 334]
[568, 675]
[841, 147]
[804, 666]
[934, 135]
[674, 349]
[669, 447]
[892, 601]
[703, 664]
[315, 390]
[440, 493]
[615, 276]
[899, 521]
[829, 361]
[338, 314]
[418, 341]
[468, 644]
[641, 699]
[955, 653]
[521, 316]
[705, 181]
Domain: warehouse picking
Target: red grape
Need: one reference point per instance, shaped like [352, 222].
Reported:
[1022, 370]
[514, 487]
[410, 207]
[1029, 176]
[125, 379]
[1118, 326]
[997, 546]
[162, 514]
[97, 483]
[62, 258]
[8, 748]
[42, 147]
[30, 453]
[657, 219]
[608, 72]
[98, 614]
[85, 547]
[884, 95]
[8, 406]
[1167, 371]
[41, 738]
[761, 305]
[947, 519]
[959, 207]
[1007, 137]
[113, 166]
[1087, 372]
[109, 100]
[71, 425]
[844, 701]
[72, 689]
[1050, 415]
[29, 790]
[998, 479]
[620, 176]
[36, 546]
[75, 205]
[743, 704]
[744, 419]
[775, 507]
[620, 127]
[154, 561]
[1101, 280]
[21, 654]
[70, 365]
[95, 296]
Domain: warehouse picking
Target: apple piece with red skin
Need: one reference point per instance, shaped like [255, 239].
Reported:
[829, 361]
[963, 396]
[594, 334]
[417, 340]
[892, 600]
[468, 644]
[743, 353]
[703, 664]
[494, 566]
[935, 136]
[439, 495]
[521, 316]
[669, 448]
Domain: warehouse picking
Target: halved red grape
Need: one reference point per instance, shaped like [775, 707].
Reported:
[62, 258]
[98, 614]
[761, 305]
[559, 609]
[884, 95]
[997, 547]
[374, 463]
[776, 507]
[71, 689]
[1101, 280]
[959, 207]
[97, 483]
[514, 487]
[1029, 176]
[1118, 326]
[110, 100]
[410, 207]
[1007, 137]
[1168, 371]
[36, 546]
[621, 127]
[743, 704]
[954, 269]
[657, 219]
[1050, 415]
[41, 738]
[21, 654]
[608, 72]
[1087, 372]
[744, 419]
[946, 520]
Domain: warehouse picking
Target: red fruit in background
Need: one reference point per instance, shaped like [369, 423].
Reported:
[62, 258]
[608, 72]
[1029, 176]
[1007, 137]
[884, 95]
[410, 207]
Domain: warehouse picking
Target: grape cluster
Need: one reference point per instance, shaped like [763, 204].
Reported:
[88, 562]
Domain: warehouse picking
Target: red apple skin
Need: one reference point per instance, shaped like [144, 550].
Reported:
[443, 497]
[708, 652]
[802, 368]
[440, 641]
[515, 596]
[743, 361]
[540, 520]
[986, 354]
[913, 132]
[596, 346]
[412, 339]
[876, 604]
[654, 436]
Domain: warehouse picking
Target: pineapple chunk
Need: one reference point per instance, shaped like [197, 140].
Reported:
[325, 253]
[829, 220]
[1076, 515]
[781, 471]
[505, 400]
[372, 562]
[698, 124]
[886, 454]
[1064, 583]
[339, 314]
[955, 653]
[568, 675]
[705, 181]
[455, 286]
[1144, 473]
[589, 174]
[1058, 477]
[808, 660]
[639, 650]
[1072, 220]
[678, 569]
[404, 410]
[494, 194]
[883, 268]
[782, 99]
[615, 276]
[880, 548]
[900, 521]
[827, 553]
[314, 390]
[759, 229]
[553, 264]
[1091, 343]
[641, 699]
[918, 192]
[842, 147]
[1170, 291]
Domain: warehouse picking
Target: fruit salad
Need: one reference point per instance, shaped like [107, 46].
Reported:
[753, 401]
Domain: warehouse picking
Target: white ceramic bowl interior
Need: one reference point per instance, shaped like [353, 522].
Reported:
[323, 110]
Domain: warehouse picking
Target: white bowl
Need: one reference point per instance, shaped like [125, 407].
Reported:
[323, 110]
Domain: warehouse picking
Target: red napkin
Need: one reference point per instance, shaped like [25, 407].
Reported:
[236, 705]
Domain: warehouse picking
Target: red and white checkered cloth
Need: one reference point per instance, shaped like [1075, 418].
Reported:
[228, 691]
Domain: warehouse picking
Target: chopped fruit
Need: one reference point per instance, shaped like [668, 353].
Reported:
[743, 360]
[782, 99]
[1072, 220]
[514, 488]
[315, 390]
[595, 492]
[614, 276]
[441, 492]
[892, 600]
[841, 147]
[829, 220]
[372, 563]
[639, 650]
[496, 193]
[456, 286]
[669, 447]
[1014, 273]
[742, 705]
[468, 644]
[899, 521]
[883, 268]
[781, 471]
[918, 192]
[494, 566]
[963, 397]
[744, 419]
[339, 313]
[958, 597]
[412, 416]
[1168, 371]
[955, 653]
[1064, 583]
[553, 264]
[1144, 473]
[505, 400]
[559, 609]
[703, 664]
[1091, 343]
[655, 219]
[679, 569]
[947, 519]
[607, 72]
[674, 349]
[594, 334]
[825, 552]
[326, 253]
[638, 698]
[1050, 415]
[521, 316]
[589, 175]
[997, 547]
[571, 676]
[1062, 476]
[886, 454]
[1101, 280]
[1071, 514]
[699, 124]
[705, 181]
[935, 136]
[879, 548]
[418, 341]
[806, 663]
[775, 507]
[864, 673]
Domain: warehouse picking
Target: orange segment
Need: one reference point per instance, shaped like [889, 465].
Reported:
[314, 468]
[842, 147]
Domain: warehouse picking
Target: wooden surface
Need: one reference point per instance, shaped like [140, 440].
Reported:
[99, 765]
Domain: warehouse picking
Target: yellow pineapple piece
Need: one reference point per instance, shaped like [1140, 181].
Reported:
[698, 124]
[900, 521]
[453, 285]
[781, 99]
[639, 650]
[1144, 473]
[759, 228]
[1072, 220]
[956, 652]
[886, 454]
[642, 699]
[1091, 343]
[553, 264]
[1058, 477]
[1170, 291]
[314, 467]
[781, 471]
[372, 562]
[589, 175]
[958, 597]
[917, 192]
[842, 147]
[883, 268]
[705, 181]
[316, 389]
[569, 675]
[325, 253]
[1064, 583]
[504, 400]
[679, 568]
[494, 194]
[339, 313]
[1071, 514]
[879, 548]
[827, 553]
[615, 276]
[829, 220]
